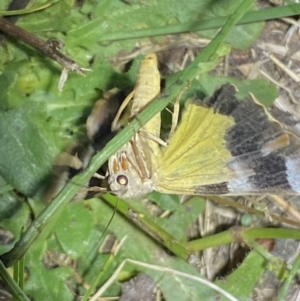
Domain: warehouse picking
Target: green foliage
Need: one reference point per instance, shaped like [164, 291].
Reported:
[264, 91]
[37, 122]
[44, 284]
[247, 275]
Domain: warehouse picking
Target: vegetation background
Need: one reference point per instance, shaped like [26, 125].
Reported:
[37, 122]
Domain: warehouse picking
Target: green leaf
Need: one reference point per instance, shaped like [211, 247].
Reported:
[79, 220]
[23, 144]
[165, 201]
[264, 91]
[46, 283]
[247, 33]
[183, 217]
[242, 281]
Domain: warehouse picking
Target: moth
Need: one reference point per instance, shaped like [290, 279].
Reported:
[223, 146]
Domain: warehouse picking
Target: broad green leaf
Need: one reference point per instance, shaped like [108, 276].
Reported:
[182, 218]
[246, 275]
[165, 201]
[43, 283]
[76, 230]
[263, 90]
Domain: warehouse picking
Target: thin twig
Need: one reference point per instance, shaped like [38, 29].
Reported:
[14, 5]
[50, 47]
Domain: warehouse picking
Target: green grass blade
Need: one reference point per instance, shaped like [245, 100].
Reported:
[249, 17]
[291, 276]
[26, 10]
[9, 281]
[150, 227]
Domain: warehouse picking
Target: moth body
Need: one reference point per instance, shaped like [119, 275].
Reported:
[132, 170]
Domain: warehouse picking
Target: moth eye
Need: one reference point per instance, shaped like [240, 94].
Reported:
[122, 180]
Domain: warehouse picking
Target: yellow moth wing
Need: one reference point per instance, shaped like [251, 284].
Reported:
[228, 146]
[196, 153]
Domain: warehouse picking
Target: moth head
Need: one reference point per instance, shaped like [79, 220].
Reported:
[125, 179]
